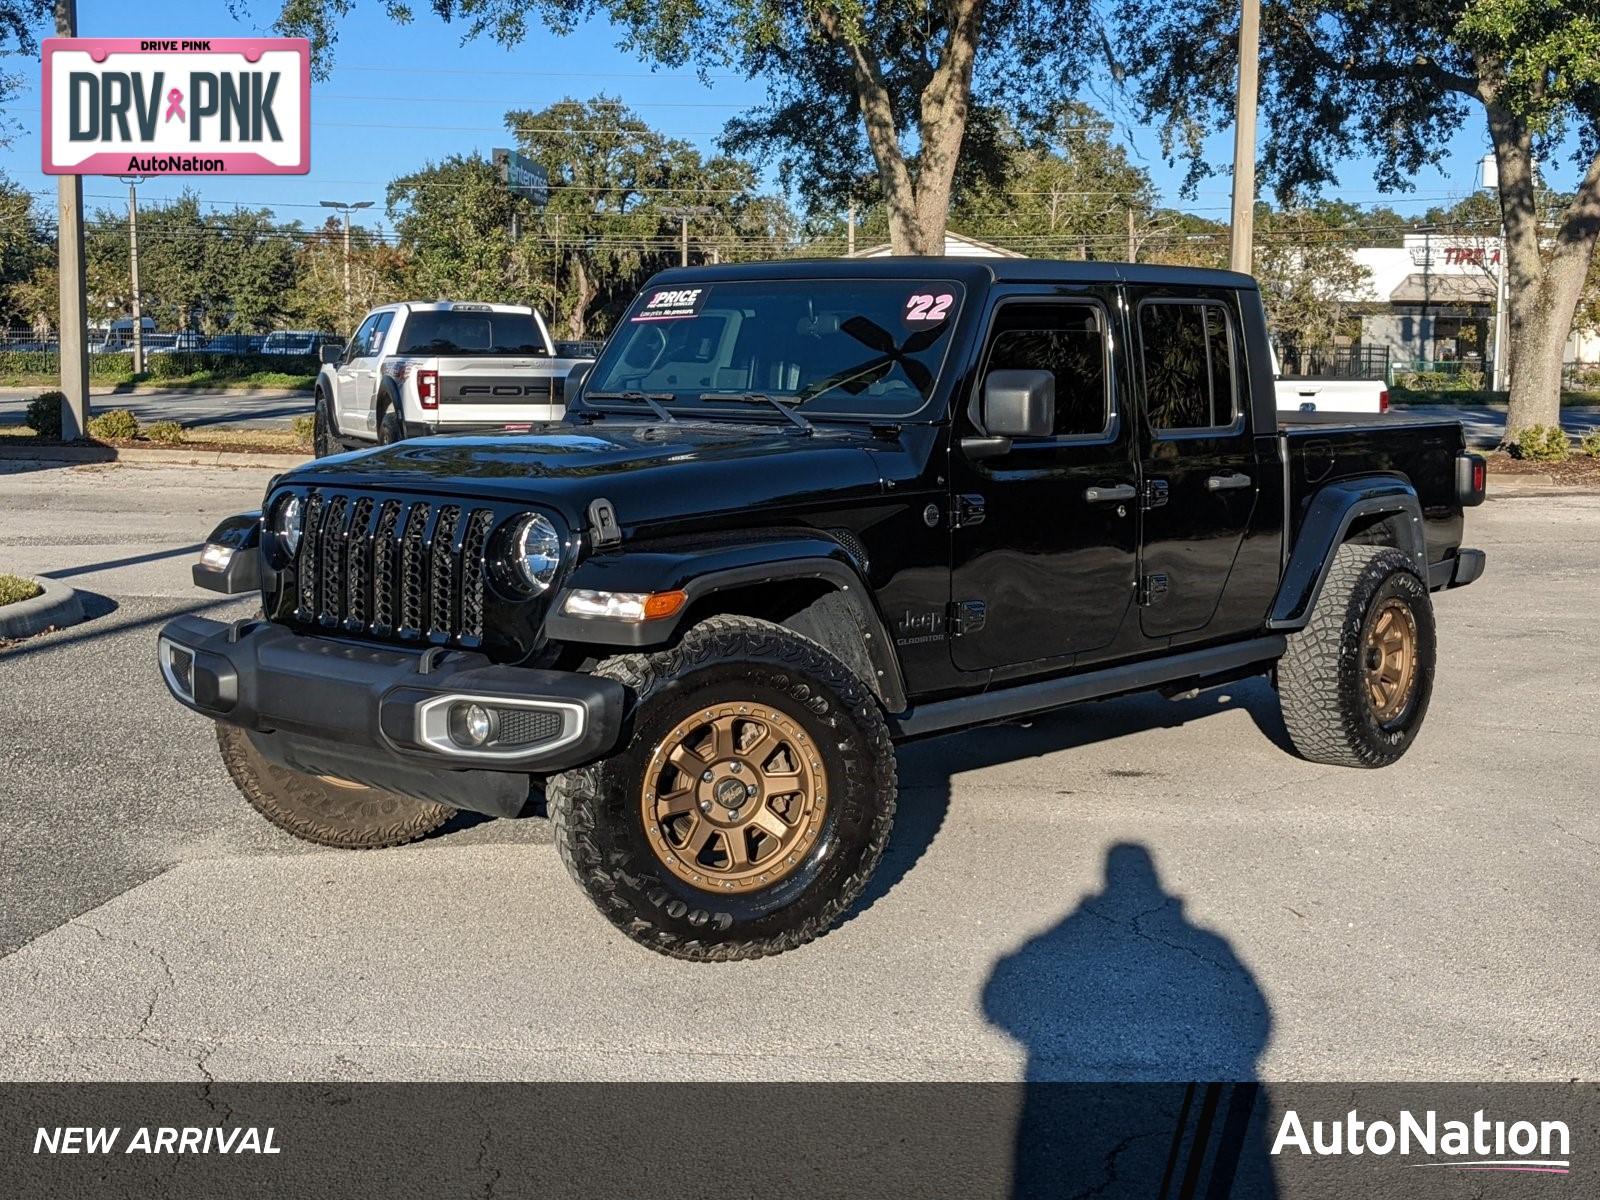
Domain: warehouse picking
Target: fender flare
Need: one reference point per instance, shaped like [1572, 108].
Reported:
[1329, 515]
[703, 573]
[325, 392]
[387, 390]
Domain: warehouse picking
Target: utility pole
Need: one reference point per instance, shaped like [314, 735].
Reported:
[1244, 137]
[347, 209]
[850, 233]
[133, 182]
[683, 213]
[1133, 246]
[73, 319]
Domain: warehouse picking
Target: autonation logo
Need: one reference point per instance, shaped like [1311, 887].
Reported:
[1476, 1145]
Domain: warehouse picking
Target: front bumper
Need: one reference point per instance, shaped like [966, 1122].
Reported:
[382, 716]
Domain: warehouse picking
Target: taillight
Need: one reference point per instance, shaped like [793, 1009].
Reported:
[428, 388]
[1472, 479]
[1383, 401]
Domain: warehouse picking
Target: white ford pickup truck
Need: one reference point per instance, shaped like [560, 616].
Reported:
[1329, 395]
[438, 367]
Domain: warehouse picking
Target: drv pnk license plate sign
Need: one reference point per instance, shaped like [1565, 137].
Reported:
[171, 106]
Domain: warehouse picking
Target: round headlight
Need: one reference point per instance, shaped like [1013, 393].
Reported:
[287, 523]
[536, 552]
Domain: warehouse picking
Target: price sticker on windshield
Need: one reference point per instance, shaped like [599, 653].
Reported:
[928, 308]
[670, 304]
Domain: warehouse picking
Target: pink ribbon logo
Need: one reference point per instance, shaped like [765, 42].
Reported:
[175, 105]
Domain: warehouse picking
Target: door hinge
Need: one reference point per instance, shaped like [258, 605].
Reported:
[1154, 493]
[966, 616]
[1152, 589]
[967, 510]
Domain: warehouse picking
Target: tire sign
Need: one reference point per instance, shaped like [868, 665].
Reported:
[146, 106]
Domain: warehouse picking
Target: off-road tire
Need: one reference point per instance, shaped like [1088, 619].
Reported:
[1321, 679]
[324, 441]
[345, 816]
[599, 828]
[391, 428]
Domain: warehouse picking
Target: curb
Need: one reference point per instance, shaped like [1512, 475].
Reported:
[1514, 486]
[149, 456]
[57, 605]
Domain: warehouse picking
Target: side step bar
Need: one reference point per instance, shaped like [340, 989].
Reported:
[987, 707]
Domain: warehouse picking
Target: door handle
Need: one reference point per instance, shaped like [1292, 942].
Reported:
[1222, 483]
[1105, 495]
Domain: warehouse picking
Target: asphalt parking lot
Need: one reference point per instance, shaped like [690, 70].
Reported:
[1136, 889]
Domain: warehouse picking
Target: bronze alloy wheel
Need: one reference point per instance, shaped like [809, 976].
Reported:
[1389, 658]
[734, 797]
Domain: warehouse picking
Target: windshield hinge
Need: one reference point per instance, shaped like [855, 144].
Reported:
[604, 531]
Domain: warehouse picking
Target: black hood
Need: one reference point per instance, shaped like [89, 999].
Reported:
[650, 472]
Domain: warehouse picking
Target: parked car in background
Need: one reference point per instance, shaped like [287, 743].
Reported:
[298, 342]
[418, 368]
[186, 342]
[233, 343]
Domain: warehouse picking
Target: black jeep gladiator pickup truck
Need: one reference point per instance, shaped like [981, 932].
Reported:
[797, 512]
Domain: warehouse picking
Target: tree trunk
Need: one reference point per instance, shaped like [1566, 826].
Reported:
[1544, 284]
[584, 290]
[919, 209]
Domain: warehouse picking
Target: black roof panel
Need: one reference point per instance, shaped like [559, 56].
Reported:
[966, 270]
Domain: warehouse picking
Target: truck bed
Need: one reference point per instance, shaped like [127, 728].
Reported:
[1324, 448]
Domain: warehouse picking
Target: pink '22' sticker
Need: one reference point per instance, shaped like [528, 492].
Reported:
[926, 306]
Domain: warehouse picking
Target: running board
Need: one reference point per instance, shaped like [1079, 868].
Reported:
[1025, 698]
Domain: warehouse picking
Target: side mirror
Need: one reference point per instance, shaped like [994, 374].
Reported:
[1016, 404]
[1019, 403]
[331, 355]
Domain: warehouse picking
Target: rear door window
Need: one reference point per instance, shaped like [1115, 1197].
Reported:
[1189, 376]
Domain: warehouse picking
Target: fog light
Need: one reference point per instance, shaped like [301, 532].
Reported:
[471, 725]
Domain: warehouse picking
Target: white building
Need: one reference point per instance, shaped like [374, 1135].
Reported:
[1433, 299]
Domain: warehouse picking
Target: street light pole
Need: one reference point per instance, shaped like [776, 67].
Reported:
[347, 209]
[133, 182]
[73, 318]
[1241, 254]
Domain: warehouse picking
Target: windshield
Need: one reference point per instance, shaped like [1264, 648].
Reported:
[849, 347]
[468, 332]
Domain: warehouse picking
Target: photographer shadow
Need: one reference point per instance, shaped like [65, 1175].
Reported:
[1126, 992]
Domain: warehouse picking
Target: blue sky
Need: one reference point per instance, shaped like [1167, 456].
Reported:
[401, 95]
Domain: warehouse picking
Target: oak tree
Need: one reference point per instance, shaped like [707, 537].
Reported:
[1394, 79]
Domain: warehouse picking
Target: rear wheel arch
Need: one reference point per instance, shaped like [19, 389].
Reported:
[1371, 511]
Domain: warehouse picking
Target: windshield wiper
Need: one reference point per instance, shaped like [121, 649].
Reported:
[653, 399]
[799, 422]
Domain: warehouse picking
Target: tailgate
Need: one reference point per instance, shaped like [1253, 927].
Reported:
[501, 391]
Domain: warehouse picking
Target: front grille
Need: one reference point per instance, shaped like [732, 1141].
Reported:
[393, 568]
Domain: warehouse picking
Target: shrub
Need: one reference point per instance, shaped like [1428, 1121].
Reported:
[169, 433]
[14, 588]
[305, 428]
[1465, 380]
[1590, 445]
[44, 415]
[1542, 443]
[117, 425]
